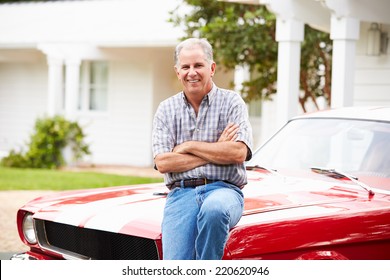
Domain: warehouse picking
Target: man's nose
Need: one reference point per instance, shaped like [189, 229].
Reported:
[192, 71]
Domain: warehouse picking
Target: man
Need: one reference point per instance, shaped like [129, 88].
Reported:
[201, 138]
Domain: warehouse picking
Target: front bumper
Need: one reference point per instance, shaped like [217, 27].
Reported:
[30, 256]
[22, 257]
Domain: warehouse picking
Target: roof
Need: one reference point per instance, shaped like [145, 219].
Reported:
[116, 23]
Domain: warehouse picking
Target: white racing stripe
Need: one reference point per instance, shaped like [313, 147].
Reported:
[78, 214]
[146, 212]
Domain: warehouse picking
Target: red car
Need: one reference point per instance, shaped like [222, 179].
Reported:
[318, 189]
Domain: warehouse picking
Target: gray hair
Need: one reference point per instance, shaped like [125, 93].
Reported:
[191, 42]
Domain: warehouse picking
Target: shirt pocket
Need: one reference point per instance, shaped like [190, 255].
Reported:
[185, 135]
[213, 133]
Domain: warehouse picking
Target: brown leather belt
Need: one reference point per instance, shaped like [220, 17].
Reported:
[192, 183]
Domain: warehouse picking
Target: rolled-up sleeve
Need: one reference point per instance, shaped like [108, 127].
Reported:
[162, 141]
[239, 115]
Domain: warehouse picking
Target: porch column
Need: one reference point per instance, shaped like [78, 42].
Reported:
[55, 88]
[344, 33]
[71, 87]
[289, 35]
[241, 74]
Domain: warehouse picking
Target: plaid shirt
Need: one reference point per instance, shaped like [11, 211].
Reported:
[175, 122]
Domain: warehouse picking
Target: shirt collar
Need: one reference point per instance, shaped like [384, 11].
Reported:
[211, 94]
[209, 97]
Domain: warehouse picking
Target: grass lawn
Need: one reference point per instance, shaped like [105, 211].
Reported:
[42, 179]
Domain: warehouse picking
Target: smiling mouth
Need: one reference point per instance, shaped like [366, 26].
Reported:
[193, 81]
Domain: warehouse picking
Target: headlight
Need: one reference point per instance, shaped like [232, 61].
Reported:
[28, 229]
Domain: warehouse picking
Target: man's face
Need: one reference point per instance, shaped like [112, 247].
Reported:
[194, 72]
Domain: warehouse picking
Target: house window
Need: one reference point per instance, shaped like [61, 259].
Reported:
[93, 86]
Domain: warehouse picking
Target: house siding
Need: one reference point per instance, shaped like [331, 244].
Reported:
[372, 74]
[23, 93]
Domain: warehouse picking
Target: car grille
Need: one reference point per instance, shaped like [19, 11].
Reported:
[82, 243]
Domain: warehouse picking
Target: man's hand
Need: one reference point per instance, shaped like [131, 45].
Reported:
[181, 148]
[229, 133]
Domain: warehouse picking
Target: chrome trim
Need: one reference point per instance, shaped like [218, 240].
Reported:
[42, 242]
[22, 257]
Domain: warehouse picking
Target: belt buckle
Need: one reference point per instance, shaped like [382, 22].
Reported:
[205, 181]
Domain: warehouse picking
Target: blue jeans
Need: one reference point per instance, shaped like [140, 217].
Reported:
[197, 221]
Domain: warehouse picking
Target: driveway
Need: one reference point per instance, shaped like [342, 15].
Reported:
[10, 202]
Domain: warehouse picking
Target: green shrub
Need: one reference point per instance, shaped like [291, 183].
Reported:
[45, 149]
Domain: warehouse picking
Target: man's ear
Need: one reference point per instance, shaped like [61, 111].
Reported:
[213, 68]
[177, 72]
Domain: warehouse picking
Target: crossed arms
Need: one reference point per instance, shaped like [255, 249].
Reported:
[192, 154]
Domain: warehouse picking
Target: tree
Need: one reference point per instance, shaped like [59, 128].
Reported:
[244, 34]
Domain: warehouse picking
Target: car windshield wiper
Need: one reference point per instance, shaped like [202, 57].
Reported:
[342, 175]
[255, 167]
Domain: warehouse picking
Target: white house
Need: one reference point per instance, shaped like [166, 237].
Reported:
[108, 64]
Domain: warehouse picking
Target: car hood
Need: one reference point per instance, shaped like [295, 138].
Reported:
[138, 210]
[134, 210]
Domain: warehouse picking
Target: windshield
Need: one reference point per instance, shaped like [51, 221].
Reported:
[361, 148]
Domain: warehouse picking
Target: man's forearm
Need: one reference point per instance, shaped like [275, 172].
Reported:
[223, 153]
[177, 162]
